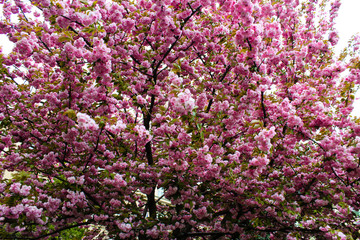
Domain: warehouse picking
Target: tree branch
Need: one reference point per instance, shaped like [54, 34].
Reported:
[263, 107]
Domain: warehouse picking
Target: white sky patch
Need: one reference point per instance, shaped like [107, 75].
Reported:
[347, 25]
[5, 44]
[348, 22]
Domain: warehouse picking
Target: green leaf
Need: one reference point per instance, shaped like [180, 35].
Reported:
[5, 122]
[64, 39]
[70, 113]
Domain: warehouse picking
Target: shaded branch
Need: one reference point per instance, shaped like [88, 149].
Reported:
[263, 107]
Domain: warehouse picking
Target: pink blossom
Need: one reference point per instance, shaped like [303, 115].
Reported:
[25, 47]
[184, 102]
[264, 139]
[125, 227]
[62, 22]
[115, 203]
[341, 236]
[142, 134]
[201, 100]
[20, 189]
[33, 213]
[52, 204]
[86, 122]
[259, 161]
[117, 128]
[184, 138]
[321, 202]
[2, 187]
[119, 181]
[294, 121]
[153, 232]
[203, 160]
[79, 43]
[16, 211]
[200, 212]
[140, 99]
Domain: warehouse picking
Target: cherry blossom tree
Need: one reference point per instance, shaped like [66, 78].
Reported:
[237, 110]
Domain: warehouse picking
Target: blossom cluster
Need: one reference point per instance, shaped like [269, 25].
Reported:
[178, 119]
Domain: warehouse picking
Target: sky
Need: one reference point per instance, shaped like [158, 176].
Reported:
[347, 24]
[348, 21]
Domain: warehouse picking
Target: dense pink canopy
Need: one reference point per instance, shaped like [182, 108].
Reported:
[238, 111]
